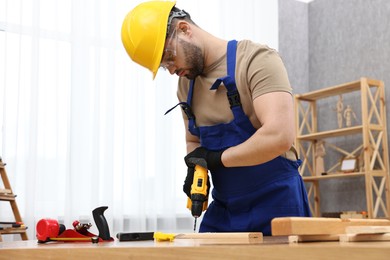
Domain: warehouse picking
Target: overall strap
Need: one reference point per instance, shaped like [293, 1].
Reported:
[191, 120]
[231, 59]
[229, 81]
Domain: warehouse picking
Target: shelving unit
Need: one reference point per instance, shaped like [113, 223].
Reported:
[371, 152]
[6, 194]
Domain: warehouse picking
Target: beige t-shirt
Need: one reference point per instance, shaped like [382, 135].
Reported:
[259, 70]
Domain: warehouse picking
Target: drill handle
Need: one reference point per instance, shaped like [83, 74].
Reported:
[199, 186]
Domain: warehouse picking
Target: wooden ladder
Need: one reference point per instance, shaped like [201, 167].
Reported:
[6, 194]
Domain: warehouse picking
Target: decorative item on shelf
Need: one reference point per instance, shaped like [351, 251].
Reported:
[319, 154]
[339, 109]
[349, 164]
[353, 214]
[348, 114]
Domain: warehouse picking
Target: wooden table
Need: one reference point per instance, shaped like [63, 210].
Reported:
[270, 248]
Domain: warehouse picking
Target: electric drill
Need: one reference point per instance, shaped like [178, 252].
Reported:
[199, 195]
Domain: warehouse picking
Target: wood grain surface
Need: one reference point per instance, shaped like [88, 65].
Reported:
[272, 248]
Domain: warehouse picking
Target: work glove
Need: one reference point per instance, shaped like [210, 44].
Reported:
[207, 159]
[188, 181]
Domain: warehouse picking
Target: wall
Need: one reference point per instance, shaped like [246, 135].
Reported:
[294, 42]
[346, 40]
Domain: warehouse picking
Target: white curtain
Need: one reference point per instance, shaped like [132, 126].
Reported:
[82, 126]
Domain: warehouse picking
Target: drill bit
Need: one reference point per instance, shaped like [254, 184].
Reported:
[195, 224]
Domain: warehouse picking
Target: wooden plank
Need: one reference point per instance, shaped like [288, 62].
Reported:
[367, 229]
[338, 89]
[385, 150]
[319, 226]
[235, 235]
[364, 237]
[312, 238]
[367, 146]
[332, 133]
[219, 238]
[331, 91]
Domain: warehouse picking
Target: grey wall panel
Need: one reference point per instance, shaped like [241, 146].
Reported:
[348, 39]
[293, 42]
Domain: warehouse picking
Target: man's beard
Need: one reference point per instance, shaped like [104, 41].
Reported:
[194, 59]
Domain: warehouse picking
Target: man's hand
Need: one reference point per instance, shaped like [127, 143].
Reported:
[188, 181]
[203, 157]
[208, 159]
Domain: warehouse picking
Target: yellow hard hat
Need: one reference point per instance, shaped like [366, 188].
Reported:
[144, 31]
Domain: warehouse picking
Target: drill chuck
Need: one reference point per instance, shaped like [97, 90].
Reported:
[197, 204]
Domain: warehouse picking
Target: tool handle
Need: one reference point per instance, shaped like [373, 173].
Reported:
[101, 223]
[135, 236]
[199, 186]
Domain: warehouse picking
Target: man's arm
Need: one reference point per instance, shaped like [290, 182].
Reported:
[192, 141]
[276, 115]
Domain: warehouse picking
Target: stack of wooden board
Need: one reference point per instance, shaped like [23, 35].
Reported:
[301, 229]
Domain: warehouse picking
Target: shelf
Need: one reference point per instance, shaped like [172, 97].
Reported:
[336, 90]
[372, 149]
[332, 176]
[332, 133]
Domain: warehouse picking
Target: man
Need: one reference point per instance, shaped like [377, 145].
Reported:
[238, 112]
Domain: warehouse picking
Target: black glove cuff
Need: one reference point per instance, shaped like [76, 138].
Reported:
[214, 160]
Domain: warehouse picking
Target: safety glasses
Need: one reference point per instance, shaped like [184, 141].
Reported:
[169, 55]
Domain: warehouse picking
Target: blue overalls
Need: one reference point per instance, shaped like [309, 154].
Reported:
[245, 198]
